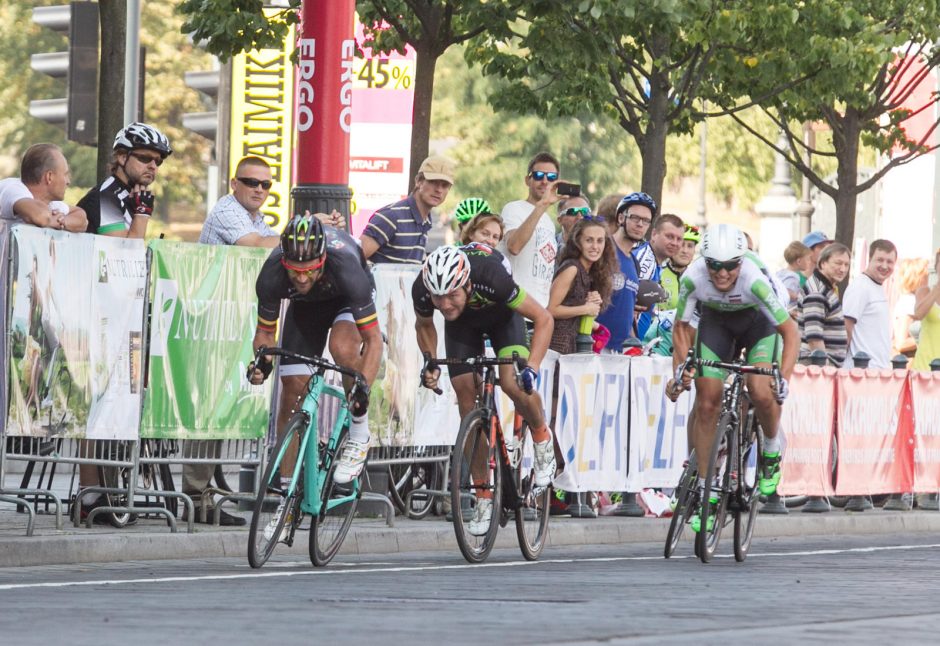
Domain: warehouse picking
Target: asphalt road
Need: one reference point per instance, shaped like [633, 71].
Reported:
[870, 589]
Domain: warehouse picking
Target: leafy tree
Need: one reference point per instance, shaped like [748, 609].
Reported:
[864, 63]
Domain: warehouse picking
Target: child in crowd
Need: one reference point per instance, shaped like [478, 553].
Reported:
[799, 259]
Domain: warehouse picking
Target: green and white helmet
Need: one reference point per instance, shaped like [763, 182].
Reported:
[469, 208]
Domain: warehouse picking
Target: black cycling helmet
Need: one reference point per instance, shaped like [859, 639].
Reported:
[142, 135]
[637, 198]
[650, 293]
[303, 239]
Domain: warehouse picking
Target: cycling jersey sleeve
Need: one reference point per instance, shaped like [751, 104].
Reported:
[270, 288]
[491, 279]
[421, 298]
[764, 292]
[685, 307]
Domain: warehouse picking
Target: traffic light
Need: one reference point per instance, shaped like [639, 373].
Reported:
[207, 84]
[78, 111]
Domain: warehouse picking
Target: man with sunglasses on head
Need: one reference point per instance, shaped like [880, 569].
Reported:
[740, 311]
[122, 205]
[323, 273]
[529, 242]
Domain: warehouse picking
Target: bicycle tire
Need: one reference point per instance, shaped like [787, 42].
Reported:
[272, 506]
[330, 526]
[472, 446]
[117, 478]
[685, 500]
[405, 478]
[533, 512]
[708, 540]
[748, 493]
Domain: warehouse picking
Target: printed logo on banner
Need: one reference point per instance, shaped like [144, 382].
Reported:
[166, 295]
[102, 266]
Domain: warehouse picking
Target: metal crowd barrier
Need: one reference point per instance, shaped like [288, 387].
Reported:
[410, 457]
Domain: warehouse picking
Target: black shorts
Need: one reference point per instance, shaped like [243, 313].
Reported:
[306, 328]
[463, 338]
[723, 336]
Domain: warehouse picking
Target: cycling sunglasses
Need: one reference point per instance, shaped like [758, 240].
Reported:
[147, 159]
[539, 175]
[578, 211]
[251, 182]
[307, 271]
[727, 265]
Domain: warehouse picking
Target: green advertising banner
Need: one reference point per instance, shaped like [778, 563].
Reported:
[204, 312]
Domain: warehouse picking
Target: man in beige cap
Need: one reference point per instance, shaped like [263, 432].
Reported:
[398, 233]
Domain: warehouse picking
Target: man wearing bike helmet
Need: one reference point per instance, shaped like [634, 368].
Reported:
[676, 264]
[477, 297]
[470, 207]
[121, 206]
[323, 273]
[740, 311]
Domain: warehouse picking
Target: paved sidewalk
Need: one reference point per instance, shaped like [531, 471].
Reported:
[152, 540]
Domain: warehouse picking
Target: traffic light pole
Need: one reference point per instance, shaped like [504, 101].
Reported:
[132, 63]
[323, 107]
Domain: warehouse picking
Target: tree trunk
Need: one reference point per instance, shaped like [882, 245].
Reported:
[112, 16]
[425, 63]
[846, 145]
[653, 144]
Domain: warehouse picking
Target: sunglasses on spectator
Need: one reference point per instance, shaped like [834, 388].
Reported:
[251, 182]
[727, 265]
[539, 175]
[594, 218]
[577, 211]
[147, 159]
[306, 271]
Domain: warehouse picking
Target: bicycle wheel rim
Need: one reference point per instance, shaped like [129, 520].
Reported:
[116, 478]
[532, 515]
[719, 471]
[407, 478]
[748, 493]
[680, 515]
[329, 527]
[266, 523]
[472, 448]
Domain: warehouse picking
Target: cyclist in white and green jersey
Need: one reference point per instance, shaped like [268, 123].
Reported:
[741, 310]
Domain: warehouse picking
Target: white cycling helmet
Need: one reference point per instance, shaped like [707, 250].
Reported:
[445, 269]
[142, 135]
[723, 242]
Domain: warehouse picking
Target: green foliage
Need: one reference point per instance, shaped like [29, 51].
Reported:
[230, 27]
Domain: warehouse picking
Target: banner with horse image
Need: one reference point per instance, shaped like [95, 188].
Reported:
[75, 324]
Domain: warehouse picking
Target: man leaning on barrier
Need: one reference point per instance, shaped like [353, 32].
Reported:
[36, 197]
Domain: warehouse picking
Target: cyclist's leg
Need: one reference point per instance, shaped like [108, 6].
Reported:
[713, 341]
[763, 351]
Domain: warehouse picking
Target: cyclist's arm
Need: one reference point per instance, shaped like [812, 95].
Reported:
[542, 335]
[683, 334]
[371, 352]
[263, 337]
[427, 334]
[791, 346]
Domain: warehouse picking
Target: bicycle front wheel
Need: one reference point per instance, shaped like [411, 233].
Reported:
[276, 504]
[532, 514]
[718, 477]
[749, 458]
[337, 506]
[474, 478]
[685, 498]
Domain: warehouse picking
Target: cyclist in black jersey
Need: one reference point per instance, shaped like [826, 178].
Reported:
[477, 297]
[324, 275]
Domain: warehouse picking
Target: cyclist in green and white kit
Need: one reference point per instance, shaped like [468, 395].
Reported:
[740, 311]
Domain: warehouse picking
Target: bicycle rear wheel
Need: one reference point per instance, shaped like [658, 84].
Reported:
[718, 477]
[471, 475]
[747, 492]
[685, 500]
[405, 478]
[532, 515]
[274, 506]
[337, 506]
[116, 478]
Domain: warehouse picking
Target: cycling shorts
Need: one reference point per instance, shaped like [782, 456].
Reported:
[463, 337]
[723, 336]
[306, 328]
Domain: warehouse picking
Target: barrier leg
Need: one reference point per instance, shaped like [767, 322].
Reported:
[774, 505]
[816, 505]
[928, 501]
[29, 510]
[900, 502]
[859, 503]
[577, 507]
[628, 506]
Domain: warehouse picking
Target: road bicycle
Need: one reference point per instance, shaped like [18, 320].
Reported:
[485, 464]
[734, 467]
[286, 494]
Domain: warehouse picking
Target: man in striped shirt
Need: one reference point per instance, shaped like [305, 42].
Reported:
[398, 233]
[819, 312]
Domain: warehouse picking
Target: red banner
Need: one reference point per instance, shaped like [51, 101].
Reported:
[807, 424]
[925, 391]
[874, 432]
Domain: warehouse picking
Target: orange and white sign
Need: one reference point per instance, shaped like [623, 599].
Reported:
[874, 432]
[807, 423]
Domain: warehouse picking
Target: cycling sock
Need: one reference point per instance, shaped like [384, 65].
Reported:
[772, 445]
[701, 484]
[359, 429]
[541, 434]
